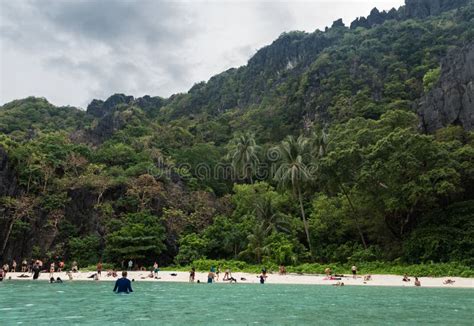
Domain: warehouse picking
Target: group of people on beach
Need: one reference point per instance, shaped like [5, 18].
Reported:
[214, 273]
[35, 266]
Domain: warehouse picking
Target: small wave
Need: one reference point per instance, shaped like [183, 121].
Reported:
[29, 305]
[5, 309]
[73, 317]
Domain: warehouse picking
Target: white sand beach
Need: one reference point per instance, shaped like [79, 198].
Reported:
[247, 278]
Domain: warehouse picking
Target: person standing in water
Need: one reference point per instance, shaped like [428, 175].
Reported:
[123, 285]
[210, 276]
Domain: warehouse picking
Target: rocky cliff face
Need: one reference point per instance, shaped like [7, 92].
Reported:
[425, 8]
[8, 184]
[451, 101]
[109, 115]
[413, 9]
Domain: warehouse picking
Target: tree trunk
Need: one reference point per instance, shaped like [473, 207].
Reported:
[28, 185]
[305, 222]
[354, 211]
[7, 237]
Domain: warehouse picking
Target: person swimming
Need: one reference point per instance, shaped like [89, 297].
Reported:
[123, 285]
[58, 280]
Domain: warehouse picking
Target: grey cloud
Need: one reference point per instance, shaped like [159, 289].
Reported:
[79, 49]
[110, 21]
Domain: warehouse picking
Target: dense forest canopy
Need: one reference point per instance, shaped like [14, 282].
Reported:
[349, 144]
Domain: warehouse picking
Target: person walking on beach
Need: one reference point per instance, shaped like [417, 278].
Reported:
[130, 265]
[24, 266]
[156, 269]
[51, 270]
[74, 267]
[192, 275]
[354, 271]
[36, 270]
[60, 266]
[227, 275]
[417, 282]
[13, 266]
[99, 268]
[123, 285]
[218, 271]
[282, 270]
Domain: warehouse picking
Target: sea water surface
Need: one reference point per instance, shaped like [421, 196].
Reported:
[94, 303]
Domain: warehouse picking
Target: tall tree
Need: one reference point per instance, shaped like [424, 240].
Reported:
[243, 154]
[320, 142]
[14, 209]
[293, 173]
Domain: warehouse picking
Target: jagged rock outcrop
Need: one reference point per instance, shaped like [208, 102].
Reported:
[451, 101]
[338, 23]
[424, 8]
[99, 109]
[109, 117]
[375, 18]
[417, 9]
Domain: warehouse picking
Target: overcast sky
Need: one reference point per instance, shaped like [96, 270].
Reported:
[71, 51]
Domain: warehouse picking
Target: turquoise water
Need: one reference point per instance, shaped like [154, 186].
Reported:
[93, 303]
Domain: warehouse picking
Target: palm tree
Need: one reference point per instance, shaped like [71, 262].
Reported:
[243, 154]
[273, 220]
[256, 244]
[293, 173]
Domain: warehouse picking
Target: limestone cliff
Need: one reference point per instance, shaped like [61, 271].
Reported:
[451, 101]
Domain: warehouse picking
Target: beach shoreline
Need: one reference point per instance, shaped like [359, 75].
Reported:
[251, 278]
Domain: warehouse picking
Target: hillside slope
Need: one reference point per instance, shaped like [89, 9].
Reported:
[349, 144]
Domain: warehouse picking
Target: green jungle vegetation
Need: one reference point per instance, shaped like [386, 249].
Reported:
[311, 155]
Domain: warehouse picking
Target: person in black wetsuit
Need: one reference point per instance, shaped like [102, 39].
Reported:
[123, 285]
